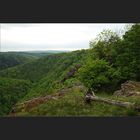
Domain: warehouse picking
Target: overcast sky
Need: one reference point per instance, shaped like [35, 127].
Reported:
[23, 37]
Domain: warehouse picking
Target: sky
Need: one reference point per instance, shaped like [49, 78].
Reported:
[55, 36]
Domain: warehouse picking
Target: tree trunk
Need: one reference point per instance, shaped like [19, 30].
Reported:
[113, 102]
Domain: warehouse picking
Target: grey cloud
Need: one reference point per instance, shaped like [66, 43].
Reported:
[20, 47]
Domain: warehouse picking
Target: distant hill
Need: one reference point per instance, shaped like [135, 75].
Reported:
[8, 60]
[34, 54]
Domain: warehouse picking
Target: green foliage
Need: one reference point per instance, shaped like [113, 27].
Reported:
[112, 60]
[46, 73]
[52, 66]
[8, 60]
[128, 58]
[104, 46]
[11, 90]
[96, 74]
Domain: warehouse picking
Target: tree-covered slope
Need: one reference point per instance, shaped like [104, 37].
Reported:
[8, 60]
[33, 54]
[11, 90]
[34, 71]
[46, 73]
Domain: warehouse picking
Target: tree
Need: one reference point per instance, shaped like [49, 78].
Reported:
[104, 46]
[96, 74]
[128, 54]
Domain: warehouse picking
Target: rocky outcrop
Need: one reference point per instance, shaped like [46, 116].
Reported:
[71, 73]
[129, 88]
[29, 104]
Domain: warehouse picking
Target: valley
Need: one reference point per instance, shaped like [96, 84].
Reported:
[55, 83]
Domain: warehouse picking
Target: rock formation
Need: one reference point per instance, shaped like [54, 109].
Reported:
[129, 88]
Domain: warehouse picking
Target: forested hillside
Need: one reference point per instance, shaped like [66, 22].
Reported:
[11, 90]
[36, 70]
[8, 60]
[57, 83]
[33, 54]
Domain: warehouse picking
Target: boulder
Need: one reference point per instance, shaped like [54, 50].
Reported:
[129, 88]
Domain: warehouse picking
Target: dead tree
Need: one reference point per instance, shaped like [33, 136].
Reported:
[90, 98]
[89, 94]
